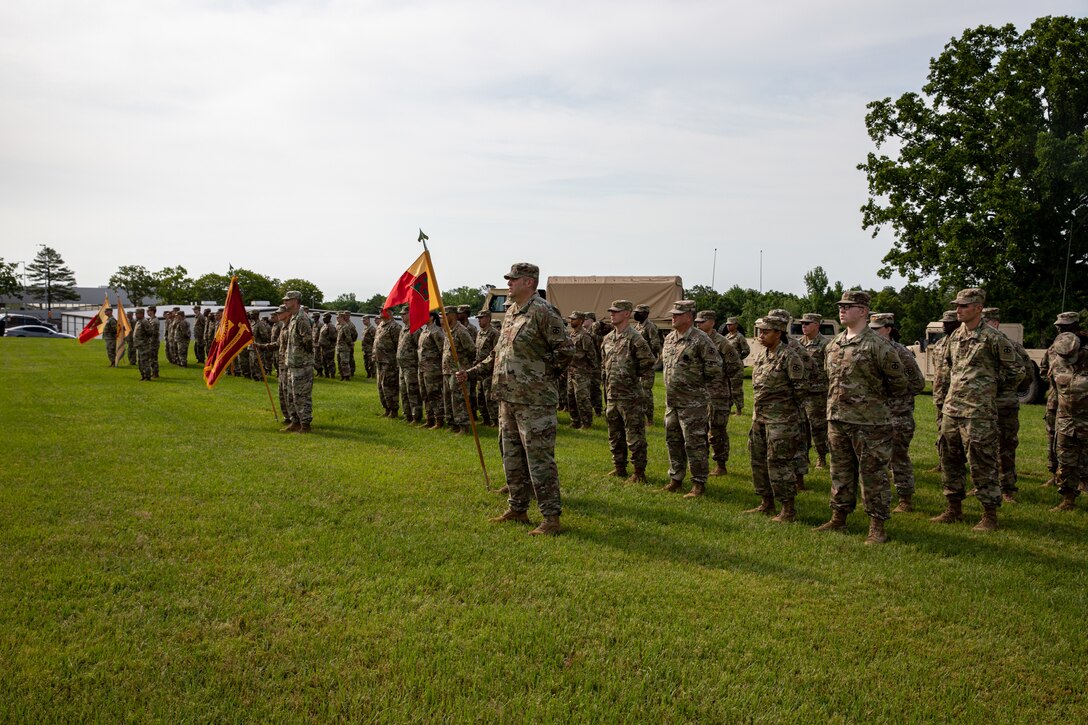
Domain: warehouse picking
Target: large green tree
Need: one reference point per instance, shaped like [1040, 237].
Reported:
[346, 301]
[987, 179]
[471, 296]
[256, 286]
[311, 295]
[136, 282]
[211, 287]
[10, 286]
[50, 279]
[173, 285]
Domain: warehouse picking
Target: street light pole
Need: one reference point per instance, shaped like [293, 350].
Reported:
[1069, 252]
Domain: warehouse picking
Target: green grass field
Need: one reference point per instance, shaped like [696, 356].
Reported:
[167, 555]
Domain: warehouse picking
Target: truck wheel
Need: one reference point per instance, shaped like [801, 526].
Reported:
[1029, 391]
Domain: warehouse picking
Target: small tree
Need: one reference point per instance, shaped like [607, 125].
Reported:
[10, 286]
[173, 285]
[136, 282]
[471, 296]
[311, 295]
[210, 288]
[347, 302]
[51, 280]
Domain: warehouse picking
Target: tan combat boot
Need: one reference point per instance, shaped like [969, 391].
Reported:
[1008, 497]
[1069, 503]
[1050, 482]
[800, 485]
[517, 517]
[672, 485]
[639, 476]
[697, 490]
[788, 513]
[905, 505]
[837, 522]
[548, 527]
[503, 490]
[719, 470]
[988, 522]
[766, 507]
[821, 462]
[951, 515]
[292, 427]
[877, 534]
[618, 472]
[304, 428]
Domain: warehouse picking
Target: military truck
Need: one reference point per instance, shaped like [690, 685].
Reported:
[1031, 389]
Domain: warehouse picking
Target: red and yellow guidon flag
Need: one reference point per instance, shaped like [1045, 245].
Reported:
[418, 288]
[94, 326]
[123, 331]
[233, 336]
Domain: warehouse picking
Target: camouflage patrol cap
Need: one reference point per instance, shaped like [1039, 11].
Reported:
[591, 316]
[464, 309]
[855, 297]
[625, 306]
[733, 321]
[991, 313]
[292, 295]
[523, 269]
[345, 313]
[970, 296]
[328, 315]
[812, 317]
[139, 310]
[706, 316]
[878, 320]
[152, 307]
[771, 323]
[576, 315]
[1068, 318]
[281, 309]
[450, 309]
[484, 313]
[949, 316]
[683, 307]
[779, 312]
[642, 308]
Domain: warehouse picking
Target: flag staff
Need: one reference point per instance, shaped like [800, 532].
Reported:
[457, 362]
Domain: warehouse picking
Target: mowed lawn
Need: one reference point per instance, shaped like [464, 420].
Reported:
[167, 555]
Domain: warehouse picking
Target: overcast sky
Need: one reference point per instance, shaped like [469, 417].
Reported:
[313, 139]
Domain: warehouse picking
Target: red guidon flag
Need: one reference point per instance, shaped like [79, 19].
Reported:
[418, 288]
[233, 336]
[94, 326]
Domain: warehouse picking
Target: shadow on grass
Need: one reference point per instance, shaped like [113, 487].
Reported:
[954, 540]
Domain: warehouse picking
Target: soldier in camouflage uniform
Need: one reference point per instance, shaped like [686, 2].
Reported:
[151, 318]
[182, 336]
[981, 365]
[328, 346]
[779, 384]
[210, 327]
[199, 321]
[345, 343]
[815, 402]
[386, 338]
[740, 342]
[863, 372]
[625, 358]
[277, 346]
[691, 365]
[109, 336]
[646, 327]
[532, 348]
[429, 344]
[408, 370]
[452, 395]
[800, 459]
[485, 343]
[902, 410]
[1069, 372]
[597, 329]
[1008, 414]
[131, 344]
[299, 360]
[940, 376]
[464, 312]
[721, 397]
[168, 335]
[580, 372]
[143, 341]
[368, 346]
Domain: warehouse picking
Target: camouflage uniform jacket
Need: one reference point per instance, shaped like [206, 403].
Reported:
[981, 365]
[532, 349]
[300, 342]
[345, 339]
[199, 322]
[626, 358]
[328, 336]
[466, 349]
[651, 335]
[584, 356]
[940, 370]
[485, 342]
[143, 334]
[720, 389]
[740, 342]
[407, 349]
[385, 342]
[916, 382]
[157, 331]
[181, 331]
[862, 373]
[1069, 371]
[817, 350]
[262, 332]
[368, 338]
[1008, 397]
[779, 383]
[429, 345]
[109, 330]
[281, 347]
[691, 364]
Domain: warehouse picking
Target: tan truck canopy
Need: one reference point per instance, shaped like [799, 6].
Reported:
[595, 294]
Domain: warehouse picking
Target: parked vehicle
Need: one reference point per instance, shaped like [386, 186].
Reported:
[36, 331]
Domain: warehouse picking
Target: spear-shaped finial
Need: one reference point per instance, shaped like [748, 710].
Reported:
[422, 237]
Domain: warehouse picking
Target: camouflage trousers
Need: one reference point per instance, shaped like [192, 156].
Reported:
[155, 359]
[800, 458]
[736, 384]
[181, 354]
[579, 391]
[300, 386]
[648, 395]
[1008, 440]
[198, 350]
[940, 441]
[974, 441]
[410, 399]
[485, 401]
[351, 359]
[430, 389]
[111, 350]
[328, 361]
[718, 429]
[773, 447]
[815, 406]
[1050, 418]
[144, 355]
[626, 432]
[343, 361]
[282, 387]
[454, 399]
[132, 357]
[169, 345]
[527, 435]
[901, 466]
[388, 388]
[1072, 459]
[368, 364]
[859, 456]
[596, 397]
[686, 438]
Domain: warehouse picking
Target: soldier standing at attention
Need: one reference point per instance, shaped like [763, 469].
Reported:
[132, 360]
[1052, 362]
[408, 370]
[454, 398]
[198, 334]
[430, 371]
[580, 372]
[485, 343]
[385, 363]
[646, 327]
[779, 384]
[532, 348]
[109, 336]
[902, 410]
[299, 358]
[151, 310]
[800, 459]
[863, 372]
[168, 335]
[740, 342]
[344, 344]
[981, 365]
[277, 345]
[1069, 371]
[720, 391]
[625, 357]
[181, 339]
[940, 375]
[691, 365]
[369, 330]
[1008, 414]
[815, 402]
[596, 330]
[328, 346]
[143, 341]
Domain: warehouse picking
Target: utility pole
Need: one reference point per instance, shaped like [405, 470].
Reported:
[761, 271]
[714, 268]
